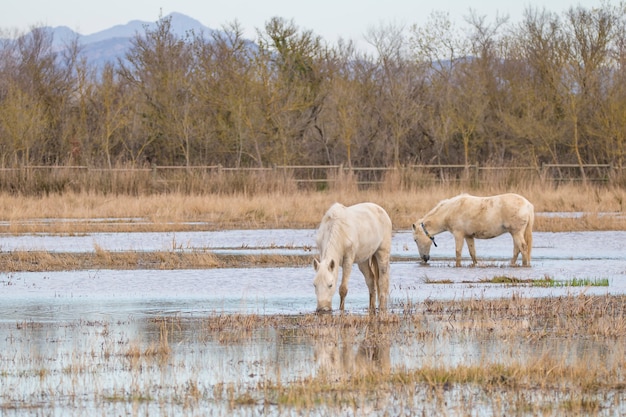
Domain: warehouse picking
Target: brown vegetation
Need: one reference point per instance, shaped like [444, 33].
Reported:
[596, 208]
[100, 259]
[519, 325]
[517, 356]
[602, 208]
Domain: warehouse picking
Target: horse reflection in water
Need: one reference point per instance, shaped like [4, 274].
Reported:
[343, 353]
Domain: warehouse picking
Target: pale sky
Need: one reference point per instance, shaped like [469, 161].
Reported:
[330, 19]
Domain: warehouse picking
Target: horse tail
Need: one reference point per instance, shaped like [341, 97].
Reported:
[528, 233]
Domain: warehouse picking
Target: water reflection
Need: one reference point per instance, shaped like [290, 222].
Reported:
[162, 365]
[186, 341]
[341, 353]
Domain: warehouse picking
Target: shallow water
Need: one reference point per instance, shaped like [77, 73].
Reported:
[113, 293]
[67, 338]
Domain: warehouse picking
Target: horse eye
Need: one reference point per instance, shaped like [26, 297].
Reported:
[330, 285]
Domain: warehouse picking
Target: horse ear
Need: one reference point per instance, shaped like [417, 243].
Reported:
[316, 264]
[331, 266]
[414, 226]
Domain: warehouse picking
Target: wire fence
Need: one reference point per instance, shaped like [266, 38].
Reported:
[189, 178]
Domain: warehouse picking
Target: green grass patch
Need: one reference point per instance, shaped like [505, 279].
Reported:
[574, 282]
[547, 281]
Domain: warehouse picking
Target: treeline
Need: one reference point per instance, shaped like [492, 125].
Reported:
[548, 89]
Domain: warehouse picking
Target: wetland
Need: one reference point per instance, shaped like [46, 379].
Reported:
[134, 315]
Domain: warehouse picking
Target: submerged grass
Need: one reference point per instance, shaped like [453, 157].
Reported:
[546, 282]
[515, 356]
[574, 282]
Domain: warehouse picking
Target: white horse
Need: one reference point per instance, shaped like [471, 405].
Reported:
[468, 217]
[357, 234]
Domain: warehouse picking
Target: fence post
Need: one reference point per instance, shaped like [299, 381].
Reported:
[477, 175]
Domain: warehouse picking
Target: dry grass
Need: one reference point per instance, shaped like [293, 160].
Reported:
[570, 316]
[166, 212]
[516, 323]
[519, 356]
[74, 214]
[353, 351]
[41, 261]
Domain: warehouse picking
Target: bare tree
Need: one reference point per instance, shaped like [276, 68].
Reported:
[589, 33]
[441, 49]
[159, 66]
[399, 84]
[295, 93]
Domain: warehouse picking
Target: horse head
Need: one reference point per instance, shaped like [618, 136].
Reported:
[423, 239]
[325, 283]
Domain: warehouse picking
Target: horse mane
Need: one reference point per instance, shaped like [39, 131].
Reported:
[445, 204]
[335, 222]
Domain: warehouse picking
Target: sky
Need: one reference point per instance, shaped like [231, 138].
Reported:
[330, 19]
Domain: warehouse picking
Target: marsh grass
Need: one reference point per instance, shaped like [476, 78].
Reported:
[548, 356]
[521, 356]
[570, 384]
[574, 282]
[40, 261]
[602, 208]
[547, 282]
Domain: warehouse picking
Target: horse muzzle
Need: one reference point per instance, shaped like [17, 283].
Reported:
[425, 258]
[323, 309]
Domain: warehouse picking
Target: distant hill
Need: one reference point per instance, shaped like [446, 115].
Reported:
[113, 43]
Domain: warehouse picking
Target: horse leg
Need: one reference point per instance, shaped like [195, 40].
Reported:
[472, 248]
[528, 239]
[526, 255]
[370, 280]
[345, 278]
[519, 245]
[382, 261]
[458, 240]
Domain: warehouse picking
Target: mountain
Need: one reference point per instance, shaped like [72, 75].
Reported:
[113, 43]
[180, 24]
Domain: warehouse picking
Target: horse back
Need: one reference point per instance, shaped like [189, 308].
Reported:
[371, 230]
[517, 206]
[487, 217]
[360, 229]
[516, 212]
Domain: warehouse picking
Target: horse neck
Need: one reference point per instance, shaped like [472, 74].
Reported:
[437, 221]
[333, 249]
[331, 252]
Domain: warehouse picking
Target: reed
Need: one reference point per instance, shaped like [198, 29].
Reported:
[602, 208]
[103, 259]
[523, 356]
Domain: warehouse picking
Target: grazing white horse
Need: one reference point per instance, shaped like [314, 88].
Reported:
[468, 217]
[357, 234]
